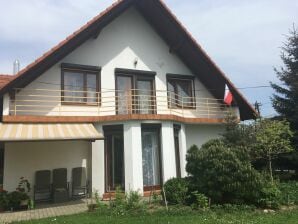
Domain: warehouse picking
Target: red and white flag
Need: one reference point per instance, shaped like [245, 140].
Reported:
[228, 96]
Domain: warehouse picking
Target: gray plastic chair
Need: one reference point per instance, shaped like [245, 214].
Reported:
[79, 182]
[42, 187]
[60, 185]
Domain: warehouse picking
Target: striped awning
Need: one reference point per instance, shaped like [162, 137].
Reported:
[47, 132]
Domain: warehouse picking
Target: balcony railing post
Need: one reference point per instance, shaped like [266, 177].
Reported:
[60, 105]
[97, 94]
[182, 106]
[15, 102]
[208, 112]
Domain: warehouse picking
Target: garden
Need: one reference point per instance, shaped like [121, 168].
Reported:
[232, 179]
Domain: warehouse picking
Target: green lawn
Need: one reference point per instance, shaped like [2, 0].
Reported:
[208, 217]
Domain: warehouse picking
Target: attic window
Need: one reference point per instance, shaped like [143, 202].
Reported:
[180, 91]
[80, 85]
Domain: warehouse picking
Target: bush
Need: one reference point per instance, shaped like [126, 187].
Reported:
[289, 193]
[3, 200]
[14, 199]
[176, 190]
[128, 203]
[200, 200]
[133, 201]
[222, 174]
[270, 197]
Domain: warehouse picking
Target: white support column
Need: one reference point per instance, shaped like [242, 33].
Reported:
[183, 150]
[6, 104]
[168, 151]
[133, 157]
[98, 169]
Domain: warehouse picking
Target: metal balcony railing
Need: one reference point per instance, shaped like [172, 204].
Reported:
[55, 102]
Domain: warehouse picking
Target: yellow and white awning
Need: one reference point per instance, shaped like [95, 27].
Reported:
[47, 132]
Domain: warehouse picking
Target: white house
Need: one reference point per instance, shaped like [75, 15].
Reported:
[124, 96]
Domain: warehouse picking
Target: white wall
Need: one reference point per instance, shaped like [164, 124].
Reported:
[168, 151]
[183, 150]
[201, 133]
[133, 156]
[23, 159]
[125, 39]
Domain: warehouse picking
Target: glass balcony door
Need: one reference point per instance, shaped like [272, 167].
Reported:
[145, 100]
[124, 94]
[135, 94]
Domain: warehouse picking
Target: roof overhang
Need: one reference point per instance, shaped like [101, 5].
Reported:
[169, 28]
[48, 132]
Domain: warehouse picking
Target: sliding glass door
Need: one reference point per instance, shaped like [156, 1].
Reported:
[151, 157]
[114, 157]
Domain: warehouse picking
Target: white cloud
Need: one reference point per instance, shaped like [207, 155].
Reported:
[45, 20]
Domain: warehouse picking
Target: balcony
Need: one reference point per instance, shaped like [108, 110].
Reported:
[138, 103]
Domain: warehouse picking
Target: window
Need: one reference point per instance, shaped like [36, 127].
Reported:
[1, 165]
[180, 91]
[80, 84]
[135, 92]
[151, 156]
[177, 149]
[114, 157]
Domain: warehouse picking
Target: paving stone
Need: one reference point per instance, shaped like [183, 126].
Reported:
[44, 211]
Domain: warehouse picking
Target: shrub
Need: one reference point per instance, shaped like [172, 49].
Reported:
[118, 205]
[128, 203]
[3, 200]
[221, 174]
[289, 193]
[15, 198]
[133, 201]
[155, 198]
[200, 200]
[176, 190]
[270, 196]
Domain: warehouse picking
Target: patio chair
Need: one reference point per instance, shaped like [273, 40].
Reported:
[60, 185]
[79, 182]
[42, 186]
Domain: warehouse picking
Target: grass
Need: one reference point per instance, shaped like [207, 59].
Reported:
[173, 217]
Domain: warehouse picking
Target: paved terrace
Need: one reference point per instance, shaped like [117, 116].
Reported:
[45, 211]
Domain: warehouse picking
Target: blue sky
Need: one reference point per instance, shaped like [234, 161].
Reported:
[242, 37]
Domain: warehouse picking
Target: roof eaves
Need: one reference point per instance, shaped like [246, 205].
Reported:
[59, 45]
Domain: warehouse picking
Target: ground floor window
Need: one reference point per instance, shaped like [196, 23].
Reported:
[151, 156]
[177, 149]
[114, 157]
[1, 165]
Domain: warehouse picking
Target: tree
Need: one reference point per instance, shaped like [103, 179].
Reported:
[240, 136]
[285, 101]
[272, 138]
[260, 142]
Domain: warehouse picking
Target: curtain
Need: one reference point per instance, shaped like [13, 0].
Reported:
[150, 154]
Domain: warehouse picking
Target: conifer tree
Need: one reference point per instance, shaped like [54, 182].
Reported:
[285, 100]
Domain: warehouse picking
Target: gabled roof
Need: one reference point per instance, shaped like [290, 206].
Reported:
[166, 25]
[4, 79]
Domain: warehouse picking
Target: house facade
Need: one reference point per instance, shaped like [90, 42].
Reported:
[124, 96]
